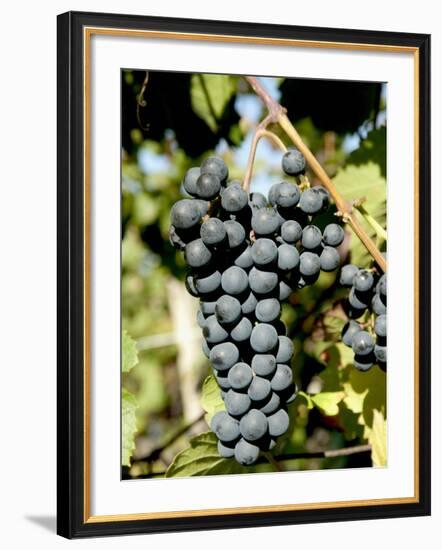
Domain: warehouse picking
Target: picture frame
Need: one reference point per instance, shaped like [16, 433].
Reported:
[75, 515]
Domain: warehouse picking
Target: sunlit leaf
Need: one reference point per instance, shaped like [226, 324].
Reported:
[377, 437]
[202, 458]
[210, 94]
[211, 400]
[129, 406]
[328, 402]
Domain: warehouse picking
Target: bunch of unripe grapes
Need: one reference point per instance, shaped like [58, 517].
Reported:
[367, 299]
[245, 254]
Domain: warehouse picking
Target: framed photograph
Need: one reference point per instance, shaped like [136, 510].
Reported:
[225, 192]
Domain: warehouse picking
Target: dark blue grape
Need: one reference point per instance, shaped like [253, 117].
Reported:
[311, 201]
[185, 214]
[285, 350]
[282, 379]
[265, 221]
[246, 453]
[264, 252]
[311, 237]
[197, 254]
[378, 306]
[258, 200]
[268, 310]
[242, 331]
[264, 365]
[362, 343]
[234, 198]
[227, 310]
[240, 376]
[309, 264]
[215, 166]
[288, 257]
[262, 282]
[208, 186]
[189, 181]
[348, 273]
[333, 235]
[253, 425]
[349, 330]
[291, 231]
[208, 284]
[223, 356]
[284, 194]
[236, 234]
[224, 451]
[234, 280]
[259, 389]
[213, 332]
[329, 259]
[293, 162]
[245, 259]
[237, 403]
[225, 427]
[380, 326]
[278, 423]
[213, 232]
[272, 404]
[363, 280]
[284, 291]
[249, 304]
[264, 338]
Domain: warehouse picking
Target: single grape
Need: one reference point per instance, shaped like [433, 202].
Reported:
[208, 186]
[380, 353]
[197, 254]
[348, 332]
[325, 195]
[282, 379]
[258, 200]
[293, 162]
[262, 282]
[363, 343]
[246, 453]
[225, 427]
[363, 280]
[253, 425]
[208, 284]
[222, 380]
[265, 221]
[237, 403]
[291, 231]
[223, 356]
[213, 332]
[378, 306]
[224, 451]
[227, 310]
[264, 252]
[245, 259]
[212, 232]
[249, 304]
[285, 350]
[240, 376]
[185, 214]
[234, 280]
[380, 326]
[288, 257]
[348, 273]
[333, 235]
[189, 181]
[311, 201]
[242, 331]
[309, 264]
[259, 389]
[264, 338]
[234, 198]
[311, 237]
[329, 258]
[215, 166]
[284, 194]
[264, 365]
[272, 404]
[278, 423]
[268, 310]
[236, 234]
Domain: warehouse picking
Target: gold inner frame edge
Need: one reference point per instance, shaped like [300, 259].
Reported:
[87, 34]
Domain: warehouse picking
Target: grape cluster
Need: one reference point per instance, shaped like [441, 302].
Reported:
[245, 255]
[367, 299]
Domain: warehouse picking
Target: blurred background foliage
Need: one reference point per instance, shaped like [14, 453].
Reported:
[170, 122]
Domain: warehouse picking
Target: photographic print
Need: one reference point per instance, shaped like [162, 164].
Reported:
[254, 286]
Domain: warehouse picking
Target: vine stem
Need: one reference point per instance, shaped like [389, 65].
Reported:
[272, 460]
[377, 228]
[277, 114]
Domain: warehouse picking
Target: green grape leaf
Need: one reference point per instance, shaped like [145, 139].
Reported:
[210, 94]
[365, 392]
[129, 407]
[129, 354]
[202, 458]
[355, 182]
[211, 400]
[327, 402]
[302, 396]
[377, 437]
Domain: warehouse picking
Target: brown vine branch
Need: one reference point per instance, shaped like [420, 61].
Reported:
[275, 461]
[141, 102]
[277, 114]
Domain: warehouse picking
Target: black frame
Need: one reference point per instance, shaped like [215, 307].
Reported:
[70, 202]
